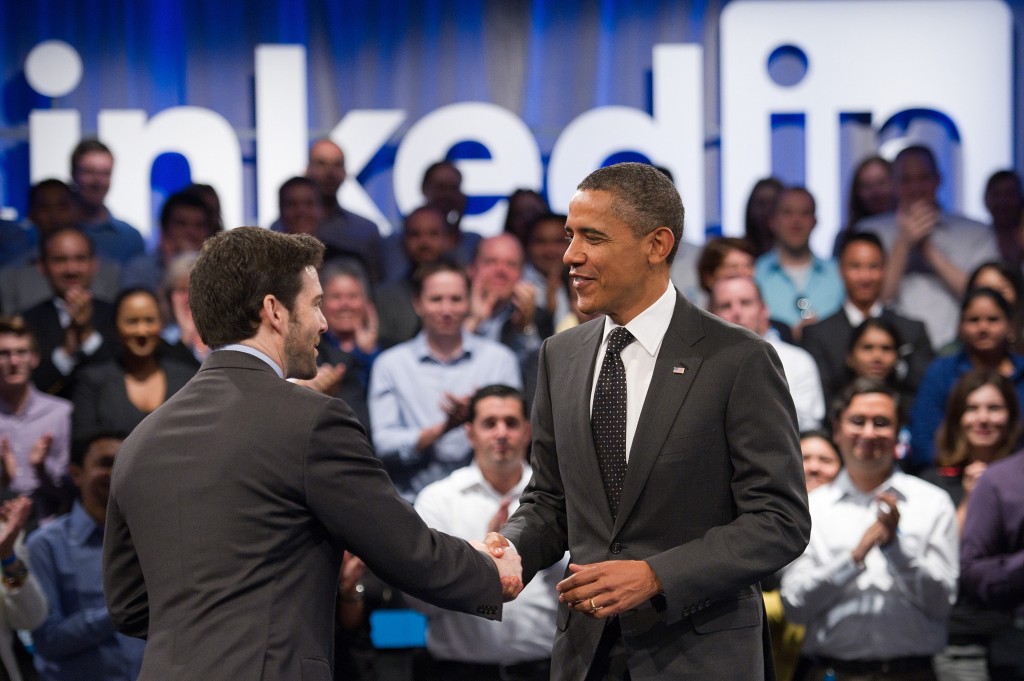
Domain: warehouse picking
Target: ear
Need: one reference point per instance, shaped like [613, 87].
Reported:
[661, 242]
[76, 474]
[274, 313]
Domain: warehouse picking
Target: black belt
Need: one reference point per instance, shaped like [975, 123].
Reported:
[499, 671]
[895, 665]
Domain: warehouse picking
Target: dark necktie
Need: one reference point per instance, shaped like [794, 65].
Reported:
[608, 417]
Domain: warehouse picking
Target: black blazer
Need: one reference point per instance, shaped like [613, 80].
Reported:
[45, 324]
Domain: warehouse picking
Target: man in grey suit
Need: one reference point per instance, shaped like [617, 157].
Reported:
[666, 554]
[231, 506]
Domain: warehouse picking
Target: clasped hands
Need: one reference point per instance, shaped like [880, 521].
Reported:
[598, 590]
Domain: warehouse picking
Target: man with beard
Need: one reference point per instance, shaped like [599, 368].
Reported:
[232, 505]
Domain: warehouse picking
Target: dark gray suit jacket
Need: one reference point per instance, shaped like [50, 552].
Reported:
[230, 507]
[713, 500]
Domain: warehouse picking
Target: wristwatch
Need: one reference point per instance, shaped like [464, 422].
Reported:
[14, 574]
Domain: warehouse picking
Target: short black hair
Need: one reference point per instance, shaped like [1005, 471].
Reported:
[850, 238]
[83, 442]
[496, 390]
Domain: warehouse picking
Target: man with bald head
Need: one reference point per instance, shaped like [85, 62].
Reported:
[738, 300]
[347, 235]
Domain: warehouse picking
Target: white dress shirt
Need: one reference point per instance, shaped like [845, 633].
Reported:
[649, 328]
[897, 603]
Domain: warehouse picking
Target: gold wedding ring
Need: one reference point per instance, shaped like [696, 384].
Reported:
[593, 606]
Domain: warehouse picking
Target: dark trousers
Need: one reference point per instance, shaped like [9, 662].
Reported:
[610, 660]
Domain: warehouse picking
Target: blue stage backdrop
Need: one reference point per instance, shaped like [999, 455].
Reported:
[562, 86]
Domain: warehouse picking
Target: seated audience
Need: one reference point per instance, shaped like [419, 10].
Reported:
[759, 212]
[984, 333]
[875, 585]
[92, 165]
[982, 425]
[871, 193]
[72, 328]
[77, 641]
[992, 560]
[1004, 200]
[22, 603]
[420, 389]
[738, 300]
[930, 251]
[469, 503]
[1007, 280]
[35, 428]
[799, 287]
[117, 394]
[862, 268]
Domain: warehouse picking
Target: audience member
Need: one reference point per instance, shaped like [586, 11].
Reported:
[738, 300]
[352, 342]
[992, 560]
[1004, 200]
[1007, 280]
[73, 327]
[425, 239]
[985, 333]
[77, 641]
[299, 207]
[345, 233]
[721, 258]
[503, 307]
[51, 207]
[420, 389]
[185, 223]
[35, 428]
[524, 207]
[179, 332]
[92, 165]
[442, 188]
[760, 204]
[930, 251]
[871, 193]
[875, 585]
[469, 503]
[862, 268]
[799, 287]
[22, 603]
[209, 196]
[117, 394]
[544, 269]
[873, 352]
[982, 425]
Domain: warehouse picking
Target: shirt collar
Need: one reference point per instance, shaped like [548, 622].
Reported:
[649, 327]
[894, 483]
[81, 525]
[239, 347]
[423, 352]
[856, 317]
[475, 478]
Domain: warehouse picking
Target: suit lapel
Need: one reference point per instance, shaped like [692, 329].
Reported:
[674, 371]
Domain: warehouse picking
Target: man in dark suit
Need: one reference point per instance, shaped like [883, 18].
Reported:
[231, 506]
[862, 267]
[72, 327]
[668, 542]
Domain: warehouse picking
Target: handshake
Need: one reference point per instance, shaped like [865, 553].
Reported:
[508, 562]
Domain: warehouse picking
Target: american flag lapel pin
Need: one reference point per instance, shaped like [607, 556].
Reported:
[679, 369]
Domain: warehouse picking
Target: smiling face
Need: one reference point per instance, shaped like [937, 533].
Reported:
[443, 305]
[862, 267]
[985, 418]
[873, 355]
[68, 262]
[498, 265]
[344, 304]
[821, 461]
[91, 176]
[984, 327]
[17, 360]
[547, 246]
[306, 323]
[866, 435]
[138, 324]
[611, 268]
[793, 220]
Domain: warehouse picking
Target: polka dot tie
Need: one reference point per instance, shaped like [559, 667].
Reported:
[608, 417]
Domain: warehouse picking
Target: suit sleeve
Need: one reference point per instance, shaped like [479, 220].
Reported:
[123, 583]
[349, 492]
[771, 523]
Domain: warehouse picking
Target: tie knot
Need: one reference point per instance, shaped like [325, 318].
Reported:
[619, 338]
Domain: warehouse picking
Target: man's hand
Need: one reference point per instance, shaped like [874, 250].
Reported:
[882, 531]
[605, 589]
[368, 329]
[498, 520]
[482, 300]
[8, 464]
[40, 450]
[456, 408]
[14, 513]
[916, 221]
[327, 379]
[524, 304]
[510, 569]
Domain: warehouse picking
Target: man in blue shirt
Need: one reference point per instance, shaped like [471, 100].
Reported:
[798, 287]
[92, 165]
[78, 640]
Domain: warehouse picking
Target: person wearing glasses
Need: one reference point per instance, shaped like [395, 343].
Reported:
[875, 586]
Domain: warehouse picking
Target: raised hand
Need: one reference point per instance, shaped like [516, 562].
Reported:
[327, 380]
[14, 513]
[510, 569]
[366, 332]
[40, 450]
[8, 464]
[499, 518]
